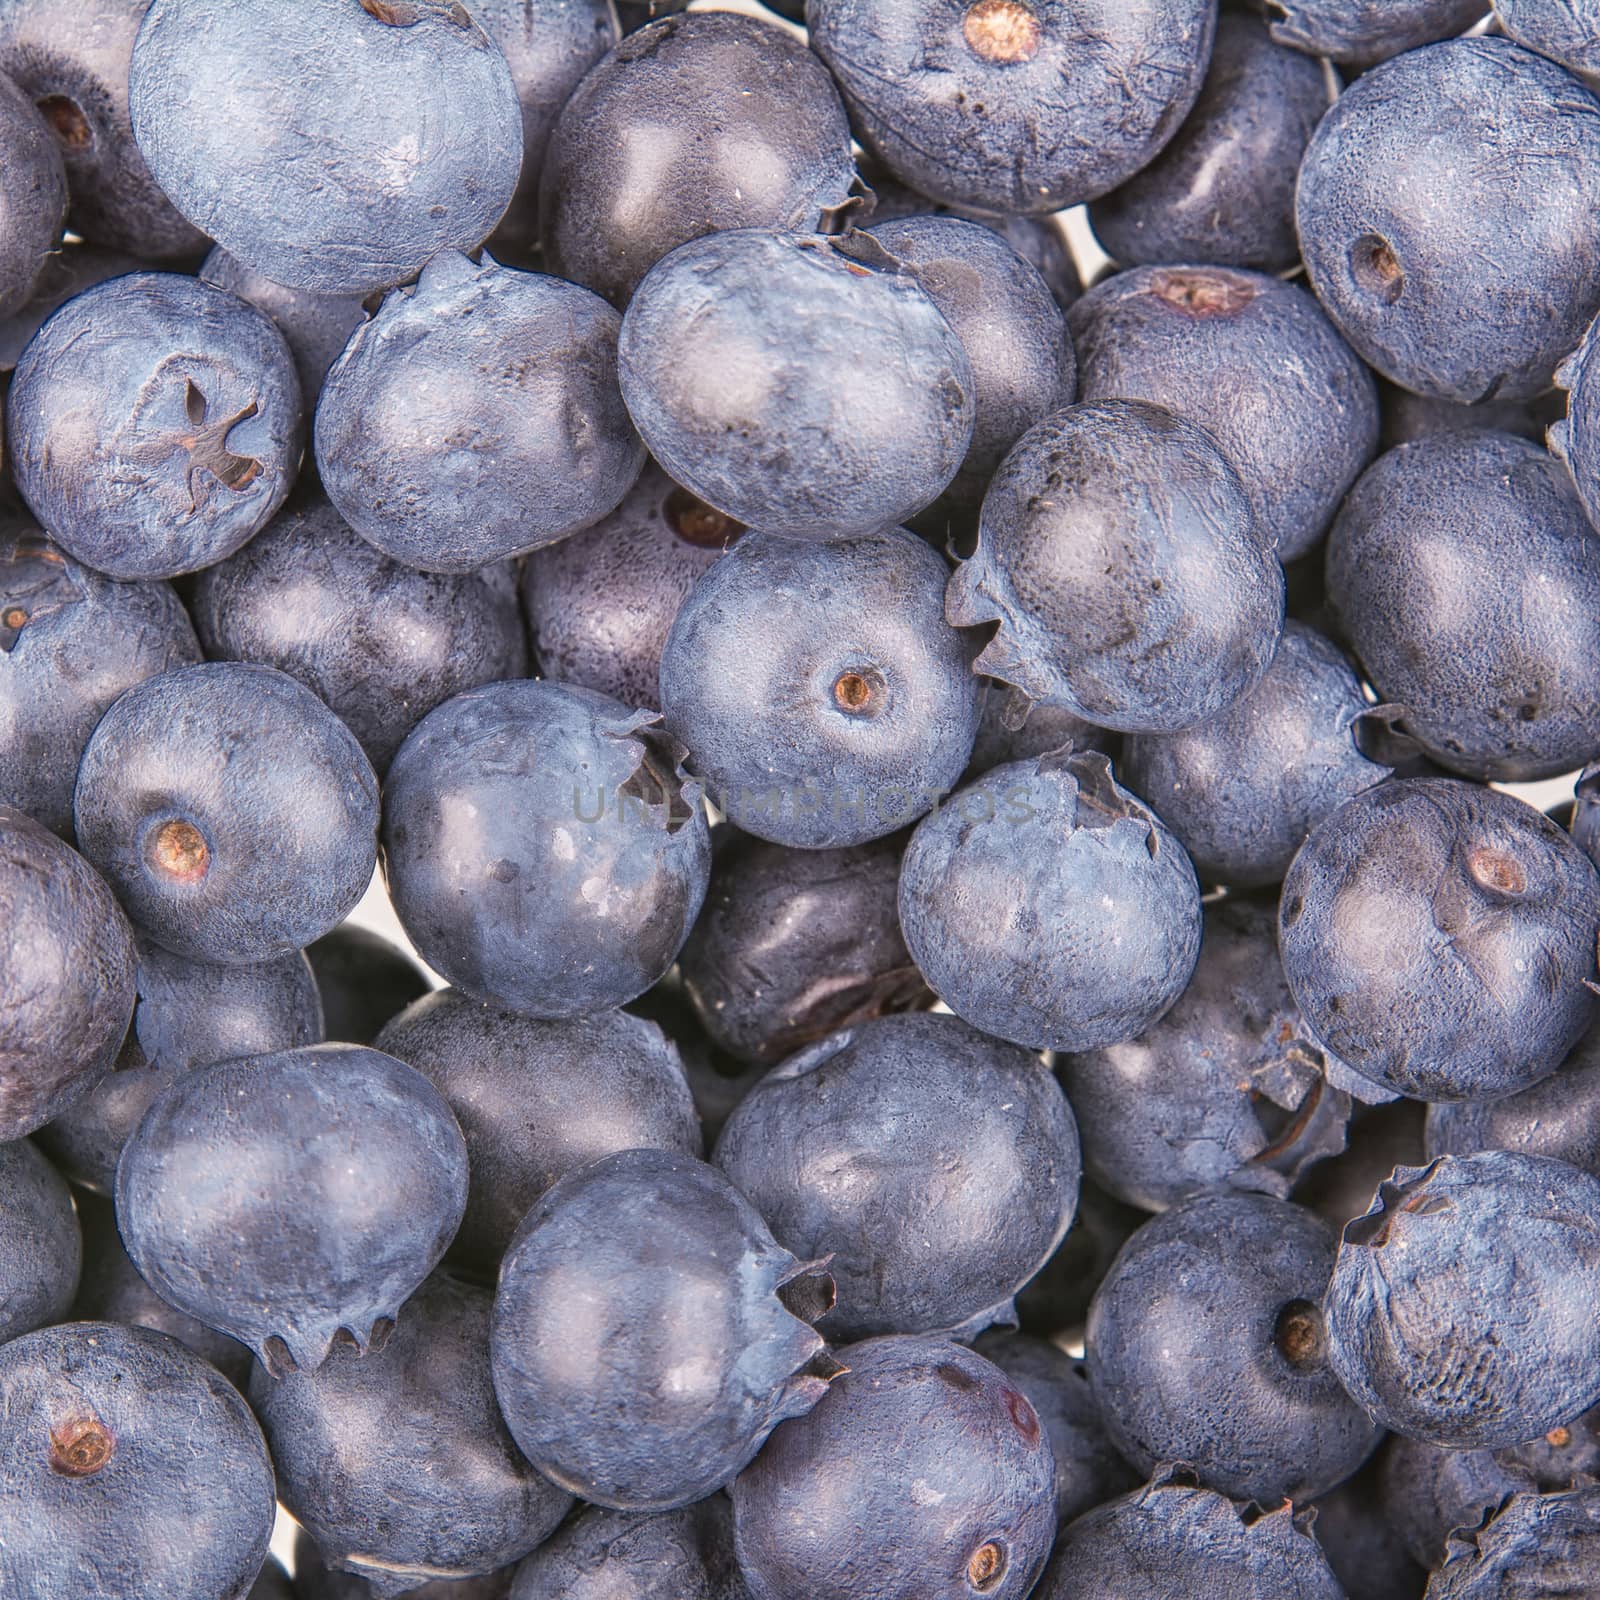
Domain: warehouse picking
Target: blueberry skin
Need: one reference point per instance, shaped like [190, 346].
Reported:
[1011, 727]
[397, 1462]
[924, 1474]
[129, 1469]
[537, 1100]
[1438, 937]
[1172, 1539]
[1477, 1329]
[1575, 438]
[1296, 413]
[1227, 1088]
[1130, 580]
[1584, 822]
[794, 944]
[1358, 1537]
[68, 272]
[1420, 228]
[1424, 566]
[1045, 905]
[544, 849]
[1088, 1469]
[364, 981]
[71, 641]
[379, 643]
[1206, 1346]
[314, 1581]
[744, 129]
[1567, 33]
[822, 697]
[1009, 107]
[802, 385]
[1223, 190]
[368, 1173]
[233, 813]
[41, 1250]
[33, 203]
[524, 368]
[938, 1166]
[66, 969]
[155, 425]
[600, 604]
[1243, 790]
[643, 1342]
[188, 1014]
[1408, 416]
[1535, 1544]
[328, 145]
[1008, 322]
[1056, 1300]
[1358, 33]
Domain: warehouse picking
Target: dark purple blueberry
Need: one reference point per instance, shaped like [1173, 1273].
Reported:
[33, 204]
[1379, 1138]
[315, 1581]
[68, 272]
[1357, 33]
[1537, 1544]
[1054, 1303]
[1408, 417]
[1357, 1532]
[41, 1249]
[1011, 727]
[363, 980]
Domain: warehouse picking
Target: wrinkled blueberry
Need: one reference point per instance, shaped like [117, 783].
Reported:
[68, 272]
[1535, 1545]
[363, 980]
[1567, 31]
[1358, 33]
[41, 1249]
[1011, 727]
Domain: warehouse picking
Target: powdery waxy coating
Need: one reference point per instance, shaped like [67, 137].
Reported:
[66, 968]
[544, 849]
[537, 1100]
[1467, 578]
[1131, 582]
[1463, 1307]
[41, 1249]
[939, 1167]
[1243, 789]
[1228, 1088]
[923, 1474]
[822, 697]
[1357, 33]
[1546, 1544]
[1567, 31]
[692, 126]
[1015, 105]
[33, 199]
[397, 1461]
[1439, 938]
[285, 1199]
[1206, 1346]
[130, 1469]
[379, 643]
[71, 641]
[1045, 905]
[1253, 361]
[364, 980]
[233, 813]
[803, 385]
[1426, 225]
[334, 145]
[1223, 190]
[648, 1332]
[476, 416]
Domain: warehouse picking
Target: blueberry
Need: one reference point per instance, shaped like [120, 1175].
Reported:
[600, 603]
[637, 14]
[71, 641]
[375, 134]
[1015, 105]
[1054, 1303]
[544, 849]
[1425, 222]
[744, 129]
[397, 1462]
[822, 697]
[1358, 1536]
[1462, 1308]
[1408, 416]
[380, 643]
[1438, 938]
[806, 386]
[1576, 437]
[1227, 1088]
[1358, 33]
[924, 1474]
[1130, 580]
[1380, 1138]
[364, 981]
[1011, 727]
[127, 1464]
[1545, 1539]
[154, 425]
[1243, 789]
[1567, 31]
[41, 1250]
[794, 944]
[33, 207]
[1206, 1346]
[537, 1100]
[1584, 822]
[188, 1014]
[939, 1166]
[1298, 415]
[233, 813]
[314, 1581]
[648, 1332]
[67, 272]
[66, 970]
[1223, 190]
[1045, 905]
[525, 367]
[285, 1199]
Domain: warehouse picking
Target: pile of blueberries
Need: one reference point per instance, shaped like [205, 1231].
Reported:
[1003, 1035]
